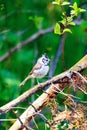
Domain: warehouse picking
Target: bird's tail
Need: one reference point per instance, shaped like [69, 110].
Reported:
[25, 80]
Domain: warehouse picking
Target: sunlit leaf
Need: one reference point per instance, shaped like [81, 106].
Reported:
[63, 21]
[76, 10]
[58, 2]
[82, 10]
[65, 3]
[72, 23]
[67, 30]
[57, 29]
[74, 6]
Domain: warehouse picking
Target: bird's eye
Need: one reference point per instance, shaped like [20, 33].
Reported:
[44, 60]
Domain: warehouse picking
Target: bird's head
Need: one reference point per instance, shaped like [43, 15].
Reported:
[44, 60]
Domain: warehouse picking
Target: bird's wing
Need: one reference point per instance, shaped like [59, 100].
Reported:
[36, 67]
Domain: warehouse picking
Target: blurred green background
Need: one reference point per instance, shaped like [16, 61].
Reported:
[19, 20]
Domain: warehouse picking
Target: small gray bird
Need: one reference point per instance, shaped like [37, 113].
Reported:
[40, 69]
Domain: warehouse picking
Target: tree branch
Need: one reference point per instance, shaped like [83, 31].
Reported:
[24, 43]
[59, 81]
[63, 79]
[51, 92]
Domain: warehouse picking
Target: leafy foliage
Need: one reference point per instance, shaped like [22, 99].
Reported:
[66, 20]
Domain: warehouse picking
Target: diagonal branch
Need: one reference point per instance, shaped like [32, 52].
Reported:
[63, 78]
[61, 81]
[24, 43]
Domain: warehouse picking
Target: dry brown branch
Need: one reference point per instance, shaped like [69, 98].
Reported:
[42, 101]
[76, 118]
[60, 81]
[24, 43]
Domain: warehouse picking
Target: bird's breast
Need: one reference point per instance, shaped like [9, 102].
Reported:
[41, 72]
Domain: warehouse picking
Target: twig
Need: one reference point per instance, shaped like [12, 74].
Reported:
[43, 118]
[27, 128]
[63, 43]
[35, 122]
[56, 59]
[81, 76]
[19, 108]
[8, 119]
[82, 79]
[82, 90]
[24, 43]
[61, 91]
[17, 117]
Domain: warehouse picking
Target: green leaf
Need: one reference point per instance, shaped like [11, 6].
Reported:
[67, 30]
[82, 10]
[76, 11]
[63, 21]
[69, 19]
[65, 3]
[58, 2]
[57, 29]
[72, 23]
[38, 21]
[74, 6]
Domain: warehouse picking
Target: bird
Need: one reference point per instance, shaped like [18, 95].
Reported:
[39, 70]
